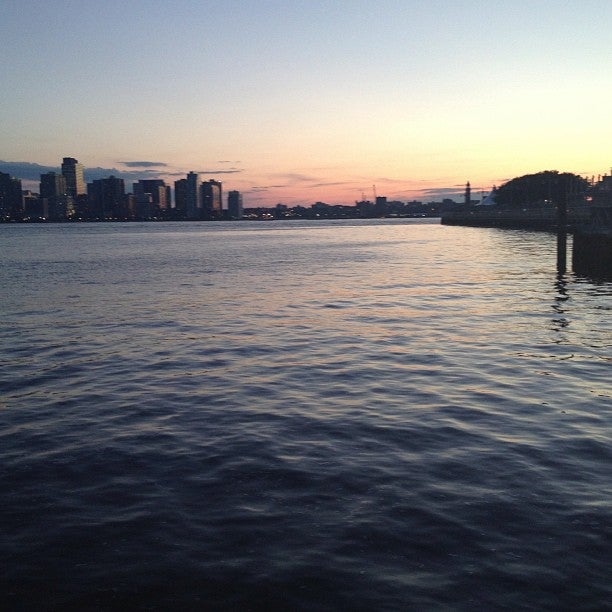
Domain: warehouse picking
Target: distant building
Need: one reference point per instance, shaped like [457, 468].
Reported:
[159, 200]
[59, 204]
[194, 196]
[212, 207]
[108, 200]
[11, 197]
[52, 185]
[489, 200]
[234, 205]
[380, 206]
[468, 194]
[180, 198]
[144, 207]
[601, 191]
[72, 171]
[365, 208]
[319, 209]
[34, 207]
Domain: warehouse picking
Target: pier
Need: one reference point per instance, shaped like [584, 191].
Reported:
[591, 226]
[546, 219]
[592, 250]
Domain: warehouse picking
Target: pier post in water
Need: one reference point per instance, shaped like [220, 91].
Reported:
[562, 234]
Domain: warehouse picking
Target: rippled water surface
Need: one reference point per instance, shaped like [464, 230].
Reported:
[354, 415]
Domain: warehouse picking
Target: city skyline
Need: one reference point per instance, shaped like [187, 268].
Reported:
[311, 101]
[65, 196]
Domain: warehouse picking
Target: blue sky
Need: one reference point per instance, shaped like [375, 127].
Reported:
[296, 102]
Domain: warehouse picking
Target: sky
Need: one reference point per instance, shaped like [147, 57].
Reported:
[301, 101]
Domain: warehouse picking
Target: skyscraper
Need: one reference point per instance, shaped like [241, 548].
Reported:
[11, 197]
[212, 206]
[180, 198]
[194, 197]
[108, 200]
[234, 205]
[52, 185]
[159, 192]
[72, 171]
[53, 190]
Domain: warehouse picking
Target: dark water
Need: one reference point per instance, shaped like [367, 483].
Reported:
[323, 416]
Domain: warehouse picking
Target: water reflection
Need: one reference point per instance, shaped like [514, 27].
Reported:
[326, 395]
[598, 276]
[560, 299]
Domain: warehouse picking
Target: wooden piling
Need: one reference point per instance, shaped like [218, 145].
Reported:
[562, 234]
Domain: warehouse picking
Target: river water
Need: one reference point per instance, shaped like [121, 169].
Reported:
[350, 415]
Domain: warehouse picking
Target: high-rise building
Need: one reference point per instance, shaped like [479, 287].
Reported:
[60, 205]
[234, 205]
[212, 194]
[34, 207]
[159, 192]
[72, 171]
[180, 198]
[144, 207]
[107, 199]
[194, 197]
[52, 185]
[11, 197]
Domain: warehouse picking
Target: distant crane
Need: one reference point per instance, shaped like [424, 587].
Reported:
[363, 196]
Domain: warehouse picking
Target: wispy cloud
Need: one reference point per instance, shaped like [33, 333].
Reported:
[331, 184]
[25, 170]
[92, 174]
[440, 191]
[143, 164]
[296, 177]
[388, 181]
[229, 171]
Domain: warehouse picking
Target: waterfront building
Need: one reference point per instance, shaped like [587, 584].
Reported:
[144, 206]
[180, 198]
[108, 200]
[52, 185]
[380, 206]
[72, 171]
[59, 204]
[365, 208]
[159, 192]
[34, 207]
[11, 197]
[234, 205]
[212, 207]
[194, 196]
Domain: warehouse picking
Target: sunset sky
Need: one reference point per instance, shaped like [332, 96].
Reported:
[299, 101]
